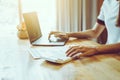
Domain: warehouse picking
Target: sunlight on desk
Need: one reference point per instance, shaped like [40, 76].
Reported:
[17, 64]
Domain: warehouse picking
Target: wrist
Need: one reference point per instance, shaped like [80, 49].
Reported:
[68, 34]
[97, 49]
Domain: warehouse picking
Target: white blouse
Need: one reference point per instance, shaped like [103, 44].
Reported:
[108, 14]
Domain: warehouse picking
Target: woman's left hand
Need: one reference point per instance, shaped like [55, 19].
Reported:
[81, 51]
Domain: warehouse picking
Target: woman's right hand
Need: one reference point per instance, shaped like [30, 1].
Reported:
[61, 35]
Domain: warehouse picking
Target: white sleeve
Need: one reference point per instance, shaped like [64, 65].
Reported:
[101, 14]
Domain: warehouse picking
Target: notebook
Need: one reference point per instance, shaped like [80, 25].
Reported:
[35, 34]
[51, 54]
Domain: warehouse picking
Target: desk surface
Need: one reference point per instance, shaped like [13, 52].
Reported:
[17, 64]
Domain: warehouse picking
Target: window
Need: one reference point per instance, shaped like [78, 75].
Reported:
[46, 10]
[52, 13]
[9, 17]
[8, 14]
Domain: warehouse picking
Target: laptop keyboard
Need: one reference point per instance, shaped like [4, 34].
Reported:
[53, 54]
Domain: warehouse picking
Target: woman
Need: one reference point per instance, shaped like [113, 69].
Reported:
[109, 19]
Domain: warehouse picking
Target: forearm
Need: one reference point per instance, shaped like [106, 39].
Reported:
[109, 48]
[91, 33]
[83, 34]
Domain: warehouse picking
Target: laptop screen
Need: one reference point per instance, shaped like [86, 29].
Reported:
[32, 25]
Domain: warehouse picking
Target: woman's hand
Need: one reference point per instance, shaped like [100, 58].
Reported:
[81, 51]
[61, 35]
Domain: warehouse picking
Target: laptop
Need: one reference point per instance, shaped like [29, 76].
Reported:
[52, 54]
[35, 34]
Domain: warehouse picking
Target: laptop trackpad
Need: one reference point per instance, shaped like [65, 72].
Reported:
[45, 41]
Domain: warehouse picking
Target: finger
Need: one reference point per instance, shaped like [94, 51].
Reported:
[69, 51]
[51, 33]
[76, 56]
[77, 48]
[49, 36]
[72, 48]
[73, 53]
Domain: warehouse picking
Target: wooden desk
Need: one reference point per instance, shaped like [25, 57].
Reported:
[17, 64]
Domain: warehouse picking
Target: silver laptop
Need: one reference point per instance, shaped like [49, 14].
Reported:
[35, 34]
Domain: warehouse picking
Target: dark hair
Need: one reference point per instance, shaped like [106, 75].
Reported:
[118, 18]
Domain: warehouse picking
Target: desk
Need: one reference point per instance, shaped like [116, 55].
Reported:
[17, 64]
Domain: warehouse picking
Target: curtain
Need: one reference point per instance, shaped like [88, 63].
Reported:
[76, 15]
